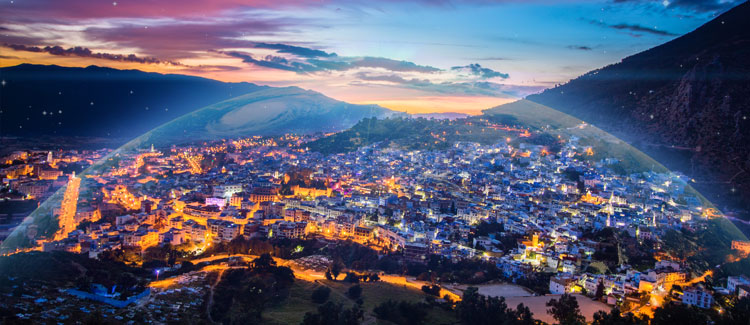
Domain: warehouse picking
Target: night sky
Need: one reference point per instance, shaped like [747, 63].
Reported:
[420, 56]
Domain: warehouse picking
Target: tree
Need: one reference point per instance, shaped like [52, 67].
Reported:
[565, 310]
[351, 277]
[321, 294]
[263, 263]
[401, 312]
[354, 291]
[431, 290]
[255, 297]
[524, 316]
[352, 315]
[476, 309]
[332, 313]
[328, 275]
[678, 314]
[614, 317]
[599, 290]
[335, 269]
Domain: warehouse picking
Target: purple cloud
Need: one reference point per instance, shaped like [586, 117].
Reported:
[87, 53]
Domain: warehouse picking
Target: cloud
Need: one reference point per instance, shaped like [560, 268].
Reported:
[87, 53]
[471, 88]
[295, 50]
[633, 28]
[83, 52]
[330, 63]
[579, 47]
[273, 62]
[187, 37]
[392, 78]
[643, 29]
[693, 5]
[203, 68]
[477, 70]
[390, 64]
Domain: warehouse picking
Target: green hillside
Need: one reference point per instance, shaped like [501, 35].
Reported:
[409, 133]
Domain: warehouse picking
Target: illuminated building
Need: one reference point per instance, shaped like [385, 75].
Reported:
[216, 201]
[200, 211]
[33, 189]
[91, 214]
[194, 231]
[363, 234]
[264, 194]
[310, 192]
[743, 246]
[222, 230]
[226, 191]
[142, 239]
[416, 252]
[561, 285]
[287, 229]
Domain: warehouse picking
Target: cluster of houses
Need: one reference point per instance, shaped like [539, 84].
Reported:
[416, 202]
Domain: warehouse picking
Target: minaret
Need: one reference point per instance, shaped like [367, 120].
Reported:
[152, 148]
[49, 157]
[609, 221]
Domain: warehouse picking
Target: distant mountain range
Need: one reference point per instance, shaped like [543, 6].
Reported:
[686, 103]
[103, 102]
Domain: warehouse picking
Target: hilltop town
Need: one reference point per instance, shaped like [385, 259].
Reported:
[545, 217]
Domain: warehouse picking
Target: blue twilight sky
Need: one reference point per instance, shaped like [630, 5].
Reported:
[420, 56]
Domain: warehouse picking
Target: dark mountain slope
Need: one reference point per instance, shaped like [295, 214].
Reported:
[685, 102]
[126, 103]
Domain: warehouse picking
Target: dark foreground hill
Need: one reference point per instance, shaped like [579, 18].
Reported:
[685, 102]
[101, 102]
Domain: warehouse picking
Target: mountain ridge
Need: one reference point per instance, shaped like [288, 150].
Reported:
[684, 102]
[50, 100]
[53, 100]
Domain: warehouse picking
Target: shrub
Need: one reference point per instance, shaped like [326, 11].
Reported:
[321, 294]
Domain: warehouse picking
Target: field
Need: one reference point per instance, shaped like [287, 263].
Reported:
[292, 310]
[538, 306]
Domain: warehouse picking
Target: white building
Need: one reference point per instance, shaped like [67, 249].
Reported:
[735, 281]
[561, 285]
[697, 296]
